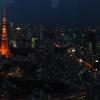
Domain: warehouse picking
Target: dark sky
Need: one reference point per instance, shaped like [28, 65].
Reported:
[69, 12]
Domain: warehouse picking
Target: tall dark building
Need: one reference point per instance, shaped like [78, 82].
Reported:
[91, 38]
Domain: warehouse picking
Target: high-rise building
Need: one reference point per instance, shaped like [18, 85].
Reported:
[92, 42]
[4, 49]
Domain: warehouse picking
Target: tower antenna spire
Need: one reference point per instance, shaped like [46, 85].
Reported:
[4, 11]
[4, 7]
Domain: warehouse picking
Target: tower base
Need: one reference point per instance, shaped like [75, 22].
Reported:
[5, 52]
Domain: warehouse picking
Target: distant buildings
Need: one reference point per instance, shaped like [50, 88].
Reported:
[45, 36]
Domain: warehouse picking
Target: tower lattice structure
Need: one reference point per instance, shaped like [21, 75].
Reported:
[4, 49]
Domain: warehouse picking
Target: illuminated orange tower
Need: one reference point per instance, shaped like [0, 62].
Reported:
[4, 49]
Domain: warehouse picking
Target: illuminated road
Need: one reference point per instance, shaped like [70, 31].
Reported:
[86, 64]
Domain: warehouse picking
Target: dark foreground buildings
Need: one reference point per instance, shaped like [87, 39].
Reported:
[50, 63]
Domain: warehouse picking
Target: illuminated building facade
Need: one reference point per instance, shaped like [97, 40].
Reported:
[4, 49]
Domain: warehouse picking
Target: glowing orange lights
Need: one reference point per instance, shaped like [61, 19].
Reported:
[4, 50]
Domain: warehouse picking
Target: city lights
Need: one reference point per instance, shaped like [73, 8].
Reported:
[49, 62]
[18, 29]
[96, 69]
[50, 50]
[71, 50]
[80, 60]
[96, 61]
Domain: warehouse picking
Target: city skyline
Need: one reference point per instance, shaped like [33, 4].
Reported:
[68, 12]
[44, 55]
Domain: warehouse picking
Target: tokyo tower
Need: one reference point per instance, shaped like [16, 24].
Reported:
[4, 49]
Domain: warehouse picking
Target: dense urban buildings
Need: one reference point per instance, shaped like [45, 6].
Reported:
[49, 62]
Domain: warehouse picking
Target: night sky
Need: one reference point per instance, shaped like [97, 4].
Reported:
[69, 12]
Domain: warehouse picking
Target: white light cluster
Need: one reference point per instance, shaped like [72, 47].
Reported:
[96, 61]
[18, 28]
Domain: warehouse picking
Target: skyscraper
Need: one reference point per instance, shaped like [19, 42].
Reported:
[92, 41]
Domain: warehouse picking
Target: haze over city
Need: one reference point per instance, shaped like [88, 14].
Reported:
[69, 12]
